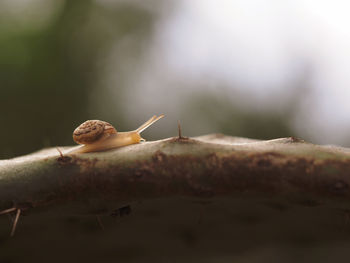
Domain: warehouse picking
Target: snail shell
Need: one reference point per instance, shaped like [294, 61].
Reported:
[92, 131]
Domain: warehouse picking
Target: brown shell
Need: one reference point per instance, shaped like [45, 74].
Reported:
[91, 131]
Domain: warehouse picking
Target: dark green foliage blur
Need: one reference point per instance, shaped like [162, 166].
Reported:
[46, 76]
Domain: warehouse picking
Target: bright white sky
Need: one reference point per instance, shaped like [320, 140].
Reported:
[263, 46]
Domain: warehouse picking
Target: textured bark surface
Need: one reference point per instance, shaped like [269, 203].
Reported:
[208, 199]
[206, 166]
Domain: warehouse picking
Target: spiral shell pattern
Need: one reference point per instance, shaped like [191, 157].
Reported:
[91, 131]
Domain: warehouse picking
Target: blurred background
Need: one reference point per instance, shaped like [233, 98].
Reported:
[259, 69]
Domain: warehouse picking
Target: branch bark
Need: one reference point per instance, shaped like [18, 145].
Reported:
[206, 166]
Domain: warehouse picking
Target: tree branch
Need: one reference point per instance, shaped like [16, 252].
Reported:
[205, 166]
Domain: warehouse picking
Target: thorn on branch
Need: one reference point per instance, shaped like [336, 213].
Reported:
[179, 129]
[7, 211]
[62, 156]
[180, 137]
[18, 213]
[15, 221]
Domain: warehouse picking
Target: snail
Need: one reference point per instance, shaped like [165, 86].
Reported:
[96, 135]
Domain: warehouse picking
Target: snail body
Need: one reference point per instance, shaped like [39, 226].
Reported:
[96, 135]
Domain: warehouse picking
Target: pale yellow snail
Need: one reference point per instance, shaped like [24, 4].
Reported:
[98, 135]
